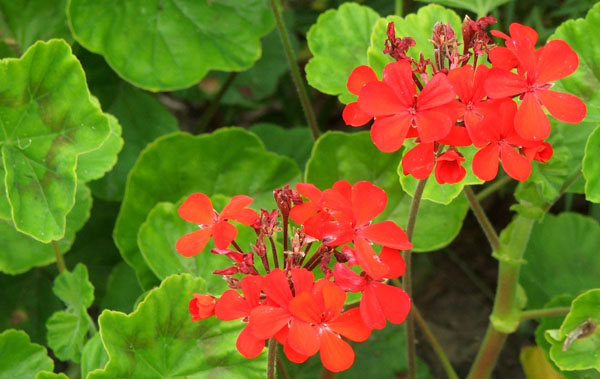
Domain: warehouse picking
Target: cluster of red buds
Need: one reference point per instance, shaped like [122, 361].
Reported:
[454, 101]
[334, 232]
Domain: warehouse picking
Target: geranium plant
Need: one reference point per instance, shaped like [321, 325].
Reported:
[293, 244]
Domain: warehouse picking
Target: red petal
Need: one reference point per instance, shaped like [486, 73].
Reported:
[347, 279]
[235, 210]
[503, 58]
[449, 168]
[201, 306]
[437, 92]
[515, 165]
[462, 81]
[303, 280]
[458, 136]
[523, 31]
[530, 121]
[223, 233]
[335, 234]
[248, 345]
[302, 212]
[557, 60]
[395, 303]
[433, 124]
[336, 354]
[277, 288]
[198, 209]
[236, 203]
[389, 133]
[565, 107]
[393, 259]
[485, 162]
[386, 233]
[419, 161]
[368, 260]
[398, 76]
[193, 243]
[265, 321]
[354, 116]
[251, 287]
[309, 191]
[501, 83]
[293, 355]
[368, 201]
[350, 325]
[305, 308]
[231, 306]
[370, 310]
[303, 338]
[379, 99]
[478, 83]
[333, 299]
[359, 77]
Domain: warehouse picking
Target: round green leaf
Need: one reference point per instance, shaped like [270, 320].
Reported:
[74, 288]
[66, 334]
[20, 358]
[419, 26]
[160, 340]
[339, 42]
[159, 234]
[48, 119]
[562, 257]
[584, 350]
[93, 355]
[166, 45]
[230, 161]
[295, 143]
[441, 193]
[95, 164]
[591, 167]
[20, 252]
[353, 157]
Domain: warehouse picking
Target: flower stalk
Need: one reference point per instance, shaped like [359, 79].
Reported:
[60, 262]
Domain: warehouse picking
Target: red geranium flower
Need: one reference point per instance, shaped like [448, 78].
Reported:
[198, 209]
[201, 306]
[449, 167]
[359, 77]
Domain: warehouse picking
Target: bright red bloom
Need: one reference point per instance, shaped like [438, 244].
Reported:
[198, 209]
[310, 213]
[201, 306]
[318, 323]
[541, 152]
[503, 142]
[449, 167]
[419, 161]
[397, 107]
[359, 77]
[521, 39]
[552, 62]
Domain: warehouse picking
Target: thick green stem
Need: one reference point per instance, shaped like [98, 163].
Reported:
[485, 223]
[506, 314]
[295, 71]
[407, 278]
[214, 104]
[437, 348]
[60, 262]
[398, 7]
[271, 358]
[540, 313]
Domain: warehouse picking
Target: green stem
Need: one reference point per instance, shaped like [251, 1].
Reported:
[493, 187]
[214, 104]
[399, 7]
[407, 278]
[485, 223]
[271, 358]
[572, 179]
[540, 313]
[437, 348]
[506, 314]
[60, 262]
[295, 71]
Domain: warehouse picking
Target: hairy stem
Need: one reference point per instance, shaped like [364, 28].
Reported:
[407, 278]
[60, 262]
[539, 313]
[274, 250]
[483, 220]
[209, 113]
[271, 358]
[295, 71]
[281, 368]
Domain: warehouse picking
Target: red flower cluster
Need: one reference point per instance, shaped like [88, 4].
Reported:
[463, 104]
[305, 315]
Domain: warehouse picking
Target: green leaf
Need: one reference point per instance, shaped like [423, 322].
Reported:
[441, 193]
[30, 20]
[180, 164]
[339, 42]
[20, 252]
[122, 289]
[591, 167]
[19, 358]
[295, 143]
[479, 7]
[161, 230]
[159, 339]
[93, 356]
[562, 257]
[419, 26]
[48, 119]
[66, 334]
[173, 44]
[584, 350]
[50, 375]
[95, 164]
[74, 288]
[353, 157]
